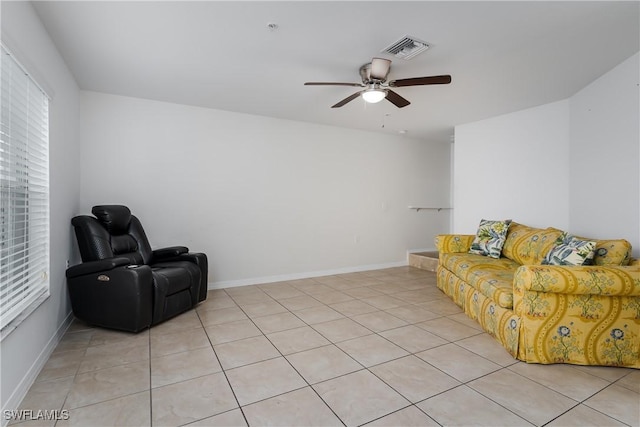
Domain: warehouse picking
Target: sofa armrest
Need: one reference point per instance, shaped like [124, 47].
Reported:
[95, 266]
[169, 252]
[578, 280]
[454, 243]
[578, 314]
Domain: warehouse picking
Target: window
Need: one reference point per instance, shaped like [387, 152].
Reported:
[24, 192]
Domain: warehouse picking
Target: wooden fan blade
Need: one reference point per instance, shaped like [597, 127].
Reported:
[418, 81]
[396, 99]
[379, 68]
[333, 84]
[347, 99]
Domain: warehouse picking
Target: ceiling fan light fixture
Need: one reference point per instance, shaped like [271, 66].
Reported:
[374, 95]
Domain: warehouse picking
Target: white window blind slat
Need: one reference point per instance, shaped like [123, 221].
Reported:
[24, 190]
[32, 279]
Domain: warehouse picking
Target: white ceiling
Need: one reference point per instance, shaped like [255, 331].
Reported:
[502, 56]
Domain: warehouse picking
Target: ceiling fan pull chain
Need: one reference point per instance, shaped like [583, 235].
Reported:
[384, 117]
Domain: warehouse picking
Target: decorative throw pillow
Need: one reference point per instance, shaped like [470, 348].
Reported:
[528, 245]
[569, 250]
[490, 238]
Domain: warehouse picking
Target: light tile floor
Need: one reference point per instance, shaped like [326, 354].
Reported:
[382, 348]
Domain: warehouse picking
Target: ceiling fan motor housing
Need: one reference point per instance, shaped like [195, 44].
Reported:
[365, 74]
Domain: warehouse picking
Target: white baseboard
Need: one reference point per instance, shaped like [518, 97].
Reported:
[30, 377]
[306, 275]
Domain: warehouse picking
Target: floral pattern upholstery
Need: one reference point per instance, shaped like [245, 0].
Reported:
[454, 243]
[493, 277]
[527, 245]
[585, 315]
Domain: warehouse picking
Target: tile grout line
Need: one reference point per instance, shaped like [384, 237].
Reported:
[150, 386]
[226, 377]
[293, 367]
[365, 368]
[414, 354]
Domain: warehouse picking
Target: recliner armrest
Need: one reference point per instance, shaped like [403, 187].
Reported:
[120, 298]
[96, 266]
[169, 252]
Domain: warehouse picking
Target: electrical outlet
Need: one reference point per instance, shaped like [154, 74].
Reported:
[67, 264]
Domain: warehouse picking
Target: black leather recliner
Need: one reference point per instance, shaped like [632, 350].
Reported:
[122, 283]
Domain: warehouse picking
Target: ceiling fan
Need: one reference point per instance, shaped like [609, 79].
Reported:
[376, 88]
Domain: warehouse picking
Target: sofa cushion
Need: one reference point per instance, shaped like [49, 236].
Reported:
[527, 245]
[463, 264]
[492, 277]
[494, 284]
[490, 238]
[569, 250]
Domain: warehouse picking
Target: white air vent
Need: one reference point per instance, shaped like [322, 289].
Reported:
[406, 48]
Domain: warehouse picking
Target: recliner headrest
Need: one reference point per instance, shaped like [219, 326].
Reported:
[115, 218]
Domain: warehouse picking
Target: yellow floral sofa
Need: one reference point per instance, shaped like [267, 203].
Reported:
[584, 315]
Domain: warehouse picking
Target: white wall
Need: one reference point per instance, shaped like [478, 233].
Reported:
[605, 156]
[25, 350]
[572, 164]
[514, 166]
[266, 199]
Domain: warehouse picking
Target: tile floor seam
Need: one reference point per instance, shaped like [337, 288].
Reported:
[278, 395]
[596, 409]
[450, 341]
[299, 318]
[301, 351]
[66, 397]
[150, 382]
[607, 415]
[342, 340]
[308, 384]
[506, 408]
[449, 317]
[181, 381]
[563, 413]
[407, 350]
[622, 385]
[480, 355]
[300, 388]
[109, 399]
[111, 367]
[339, 376]
[339, 418]
[398, 391]
[226, 377]
[490, 399]
[391, 413]
[500, 367]
[555, 391]
[409, 353]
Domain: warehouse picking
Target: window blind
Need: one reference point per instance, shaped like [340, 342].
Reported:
[24, 190]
